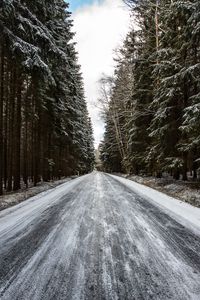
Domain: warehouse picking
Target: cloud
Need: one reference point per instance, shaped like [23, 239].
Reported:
[100, 28]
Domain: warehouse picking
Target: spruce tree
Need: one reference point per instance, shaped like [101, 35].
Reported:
[160, 122]
[41, 92]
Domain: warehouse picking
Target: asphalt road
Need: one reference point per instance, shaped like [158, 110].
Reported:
[94, 238]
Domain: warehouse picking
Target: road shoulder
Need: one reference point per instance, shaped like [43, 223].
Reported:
[184, 213]
[14, 198]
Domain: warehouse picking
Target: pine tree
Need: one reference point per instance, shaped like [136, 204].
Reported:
[174, 83]
[160, 124]
[42, 106]
[190, 143]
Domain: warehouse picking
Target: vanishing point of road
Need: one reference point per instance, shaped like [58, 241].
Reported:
[95, 238]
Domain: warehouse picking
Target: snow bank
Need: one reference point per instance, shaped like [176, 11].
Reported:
[184, 213]
[27, 211]
[14, 198]
[187, 191]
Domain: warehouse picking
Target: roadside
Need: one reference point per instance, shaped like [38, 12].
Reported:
[13, 198]
[186, 191]
[184, 213]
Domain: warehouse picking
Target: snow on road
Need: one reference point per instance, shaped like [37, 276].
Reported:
[183, 212]
[98, 237]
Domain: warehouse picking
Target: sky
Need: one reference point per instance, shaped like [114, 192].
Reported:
[100, 27]
[75, 4]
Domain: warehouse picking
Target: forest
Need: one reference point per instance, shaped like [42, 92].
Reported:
[45, 129]
[152, 103]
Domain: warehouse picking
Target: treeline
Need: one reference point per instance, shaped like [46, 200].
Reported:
[45, 130]
[153, 114]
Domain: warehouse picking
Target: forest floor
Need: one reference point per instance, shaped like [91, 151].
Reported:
[187, 191]
[13, 198]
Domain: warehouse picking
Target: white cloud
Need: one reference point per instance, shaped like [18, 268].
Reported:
[100, 28]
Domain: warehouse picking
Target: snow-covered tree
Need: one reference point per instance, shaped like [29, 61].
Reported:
[43, 113]
[162, 117]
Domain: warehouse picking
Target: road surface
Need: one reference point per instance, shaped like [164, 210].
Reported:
[94, 238]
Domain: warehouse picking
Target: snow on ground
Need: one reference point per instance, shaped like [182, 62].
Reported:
[28, 211]
[187, 191]
[96, 238]
[14, 198]
[185, 213]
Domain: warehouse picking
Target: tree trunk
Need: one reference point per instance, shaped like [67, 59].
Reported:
[176, 174]
[11, 127]
[6, 109]
[1, 117]
[185, 160]
[16, 184]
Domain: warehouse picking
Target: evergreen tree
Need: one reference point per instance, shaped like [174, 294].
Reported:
[160, 123]
[174, 76]
[42, 105]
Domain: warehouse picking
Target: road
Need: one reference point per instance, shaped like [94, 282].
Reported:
[95, 238]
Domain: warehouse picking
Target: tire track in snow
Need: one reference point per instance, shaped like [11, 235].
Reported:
[98, 240]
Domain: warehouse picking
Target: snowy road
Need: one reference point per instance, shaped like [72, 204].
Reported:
[96, 238]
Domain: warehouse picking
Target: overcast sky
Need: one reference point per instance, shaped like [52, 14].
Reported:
[100, 27]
